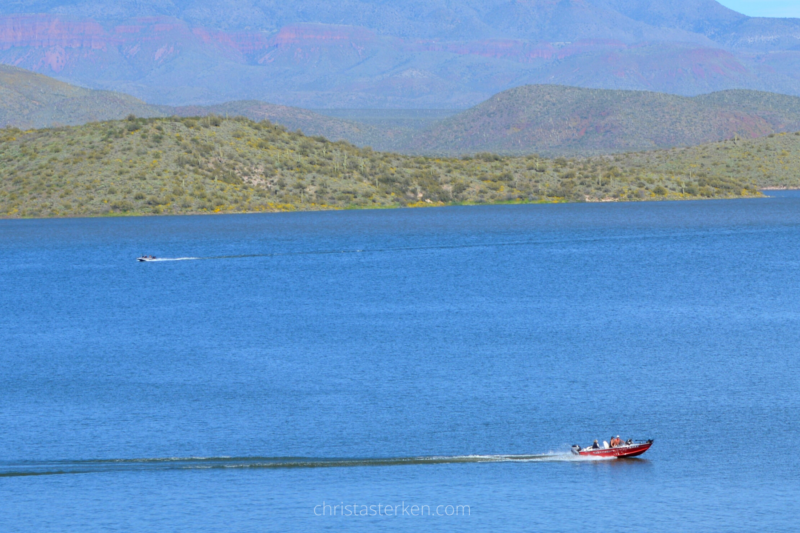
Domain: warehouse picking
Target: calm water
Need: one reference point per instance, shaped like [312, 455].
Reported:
[403, 356]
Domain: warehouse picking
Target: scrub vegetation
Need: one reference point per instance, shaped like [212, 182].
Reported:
[217, 165]
[770, 162]
[573, 122]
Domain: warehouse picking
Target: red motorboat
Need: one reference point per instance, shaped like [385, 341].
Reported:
[629, 449]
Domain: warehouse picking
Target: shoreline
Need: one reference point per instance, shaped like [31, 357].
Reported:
[416, 205]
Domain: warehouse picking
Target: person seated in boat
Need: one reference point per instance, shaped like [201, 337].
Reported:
[616, 441]
[594, 445]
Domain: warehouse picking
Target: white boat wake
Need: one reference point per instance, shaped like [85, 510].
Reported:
[37, 468]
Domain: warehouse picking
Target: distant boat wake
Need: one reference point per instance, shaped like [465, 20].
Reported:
[45, 468]
[373, 250]
[243, 256]
[162, 259]
[423, 248]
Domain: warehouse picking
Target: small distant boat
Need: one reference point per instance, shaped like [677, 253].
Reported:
[629, 449]
[146, 258]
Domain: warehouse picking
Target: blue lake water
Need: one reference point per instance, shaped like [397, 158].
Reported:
[381, 357]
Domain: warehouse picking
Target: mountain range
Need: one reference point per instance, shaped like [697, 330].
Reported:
[31, 100]
[545, 119]
[392, 53]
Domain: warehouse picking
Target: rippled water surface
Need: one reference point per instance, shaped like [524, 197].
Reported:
[434, 357]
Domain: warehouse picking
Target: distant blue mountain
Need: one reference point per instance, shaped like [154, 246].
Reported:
[383, 53]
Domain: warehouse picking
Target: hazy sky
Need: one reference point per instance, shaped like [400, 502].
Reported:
[765, 8]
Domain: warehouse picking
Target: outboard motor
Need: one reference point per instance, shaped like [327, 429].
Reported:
[576, 449]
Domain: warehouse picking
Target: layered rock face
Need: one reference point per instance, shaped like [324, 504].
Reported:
[367, 53]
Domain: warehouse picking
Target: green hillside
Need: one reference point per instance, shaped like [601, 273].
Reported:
[557, 120]
[295, 118]
[30, 100]
[212, 164]
[771, 162]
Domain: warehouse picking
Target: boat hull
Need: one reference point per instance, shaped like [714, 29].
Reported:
[630, 450]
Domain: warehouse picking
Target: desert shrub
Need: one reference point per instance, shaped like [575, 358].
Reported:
[488, 157]
[122, 205]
